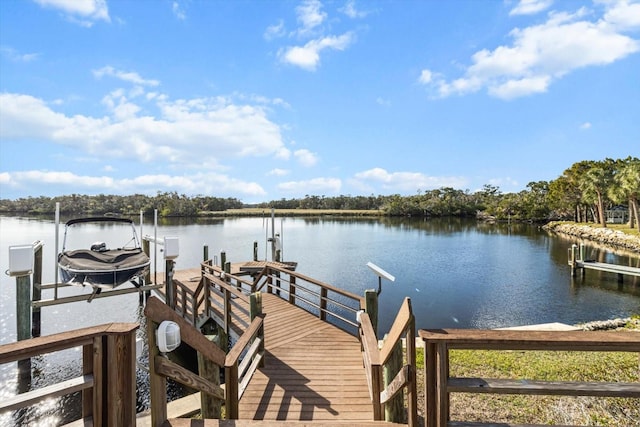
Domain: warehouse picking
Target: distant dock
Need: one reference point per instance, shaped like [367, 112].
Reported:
[577, 261]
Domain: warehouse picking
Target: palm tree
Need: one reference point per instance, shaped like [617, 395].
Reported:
[595, 184]
[627, 187]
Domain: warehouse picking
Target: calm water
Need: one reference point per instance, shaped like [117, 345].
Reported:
[458, 273]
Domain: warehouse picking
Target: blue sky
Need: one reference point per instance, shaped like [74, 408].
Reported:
[263, 100]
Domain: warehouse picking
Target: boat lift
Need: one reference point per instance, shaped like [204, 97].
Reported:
[25, 263]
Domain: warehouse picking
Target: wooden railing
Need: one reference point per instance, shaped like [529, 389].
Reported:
[240, 364]
[108, 375]
[439, 384]
[188, 301]
[226, 299]
[329, 303]
[387, 377]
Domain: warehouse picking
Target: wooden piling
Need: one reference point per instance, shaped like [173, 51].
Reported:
[255, 250]
[23, 307]
[371, 307]
[37, 290]
[170, 290]
[205, 253]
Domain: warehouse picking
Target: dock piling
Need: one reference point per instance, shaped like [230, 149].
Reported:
[37, 289]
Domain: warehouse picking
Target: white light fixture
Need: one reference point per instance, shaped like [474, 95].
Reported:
[381, 274]
[20, 260]
[168, 336]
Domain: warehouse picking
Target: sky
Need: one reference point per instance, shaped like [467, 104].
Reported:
[269, 100]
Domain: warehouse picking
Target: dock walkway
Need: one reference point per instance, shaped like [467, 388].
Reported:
[313, 369]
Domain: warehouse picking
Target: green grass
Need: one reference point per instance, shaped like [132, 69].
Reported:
[545, 366]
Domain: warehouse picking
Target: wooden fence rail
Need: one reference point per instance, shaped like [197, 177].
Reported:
[108, 375]
[439, 384]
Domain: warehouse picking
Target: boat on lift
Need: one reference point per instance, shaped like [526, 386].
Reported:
[99, 265]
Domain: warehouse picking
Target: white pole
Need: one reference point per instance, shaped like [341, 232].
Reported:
[155, 246]
[57, 220]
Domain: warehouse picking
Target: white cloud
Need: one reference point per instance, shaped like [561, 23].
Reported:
[178, 11]
[82, 12]
[200, 183]
[425, 76]
[15, 56]
[305, 157]
[541, 54]
[310, 16]
[127, 76]
[351, 11]
[308, 56]
[312, 186]
[407, 182]
[274, 31]
[195, 131]
[278, 172]
[384, 102]
[530, 7]
[585, 126]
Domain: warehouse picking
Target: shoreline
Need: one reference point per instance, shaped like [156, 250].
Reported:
[606, 236]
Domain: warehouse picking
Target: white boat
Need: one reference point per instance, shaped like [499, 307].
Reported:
[100, 266]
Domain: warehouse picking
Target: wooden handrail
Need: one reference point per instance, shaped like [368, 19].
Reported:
[439, 384]
[51, 343]
[374, 360]
[107, 382]
[235, 381]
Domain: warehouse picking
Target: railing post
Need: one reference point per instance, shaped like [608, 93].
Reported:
[323, 303]
[255, 309]
[412, 393]
[231, 391]
[210, 406]
[120, 362]
[394, 408]
[430, 407]
[292, 290]
[158, 383]
[227, 311]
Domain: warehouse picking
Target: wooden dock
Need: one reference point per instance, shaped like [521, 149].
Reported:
[313, 369]
[577, 261]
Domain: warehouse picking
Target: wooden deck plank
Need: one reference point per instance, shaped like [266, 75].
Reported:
[313, 370]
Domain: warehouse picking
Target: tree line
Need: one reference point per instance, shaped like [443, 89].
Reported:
[582, 193]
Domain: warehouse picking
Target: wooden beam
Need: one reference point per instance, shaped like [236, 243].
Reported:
[55, 390]
[184, 376]
[531, 387]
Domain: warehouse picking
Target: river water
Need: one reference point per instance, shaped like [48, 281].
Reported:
[458, 273]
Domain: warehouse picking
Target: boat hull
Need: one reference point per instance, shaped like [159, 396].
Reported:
[106, 269]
